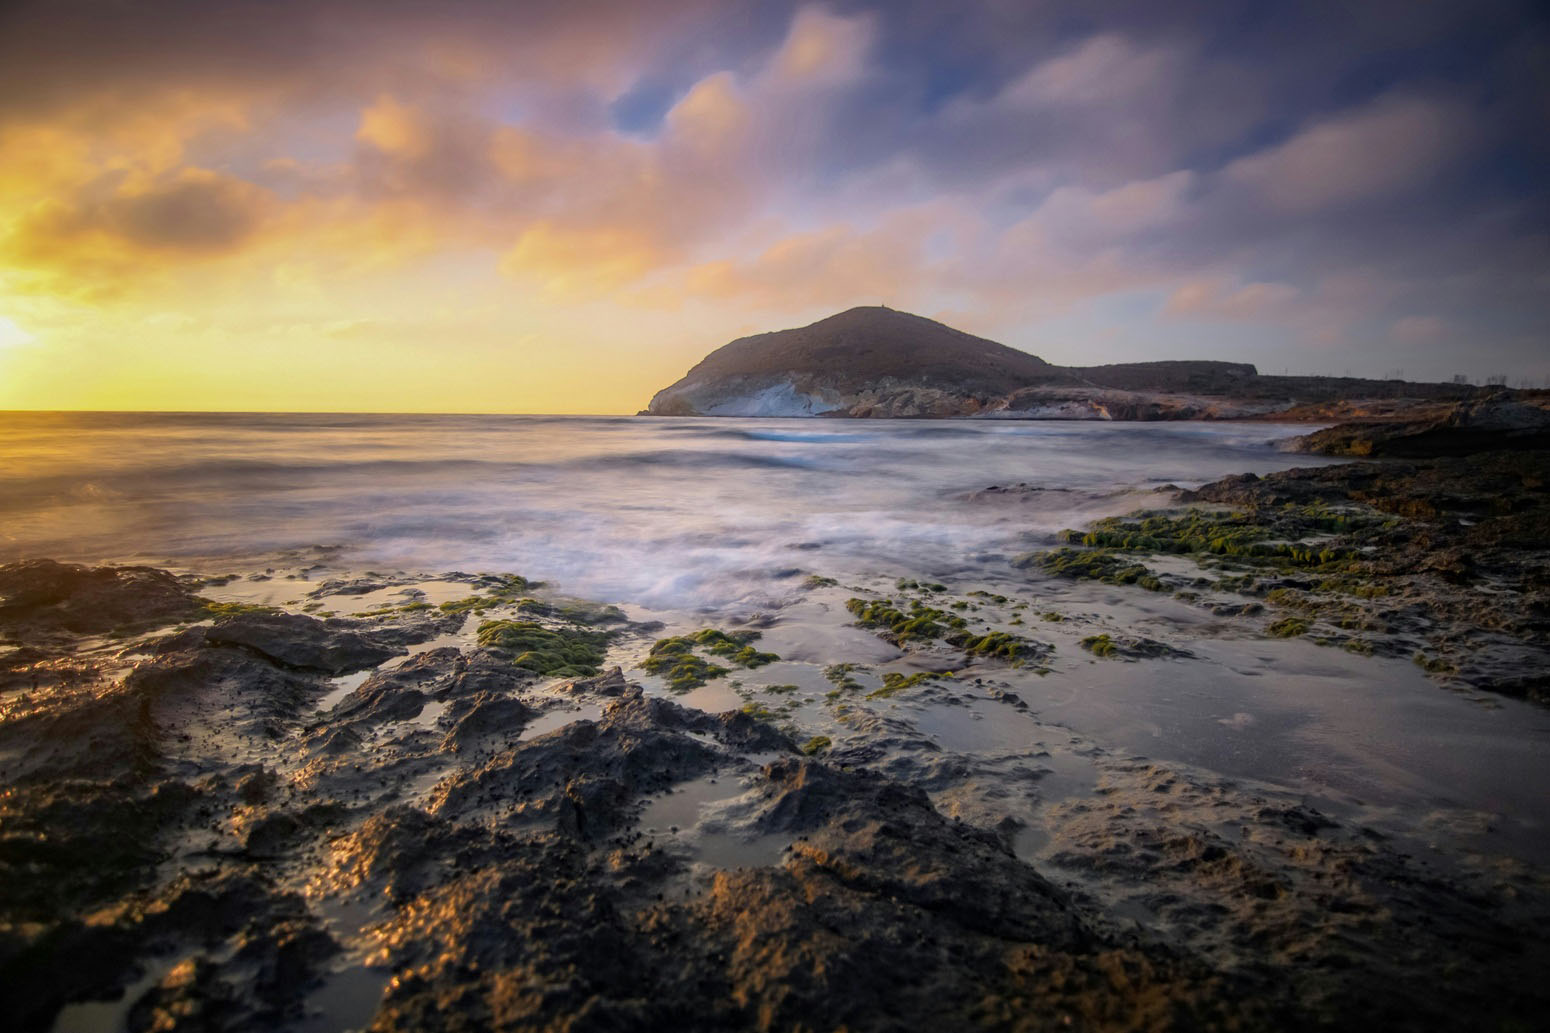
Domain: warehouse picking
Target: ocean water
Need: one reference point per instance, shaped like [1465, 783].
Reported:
[698, 522]
[676, 513]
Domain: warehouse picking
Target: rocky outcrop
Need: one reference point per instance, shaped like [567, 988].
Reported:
[1453, 430]
[883, 364]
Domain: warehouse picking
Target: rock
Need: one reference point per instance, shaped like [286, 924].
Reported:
[1464, 429]
[875, 362]
[42, 597]
[1449, 562]
[292, 640]
[609, 683]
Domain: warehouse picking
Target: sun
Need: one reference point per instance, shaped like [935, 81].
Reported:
[11, 335]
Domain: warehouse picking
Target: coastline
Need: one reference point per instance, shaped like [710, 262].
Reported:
[348, 804]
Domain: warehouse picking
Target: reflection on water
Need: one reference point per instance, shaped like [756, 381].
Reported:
[668, 512]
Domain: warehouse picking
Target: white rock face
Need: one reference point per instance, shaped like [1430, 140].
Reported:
[780, 399]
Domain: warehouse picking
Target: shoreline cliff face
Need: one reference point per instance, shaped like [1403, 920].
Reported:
[878, 363]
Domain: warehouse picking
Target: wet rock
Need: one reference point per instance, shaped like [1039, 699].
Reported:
[490, 717]
[1444, 560]
[292, 640]
[353, 586]
[193, 995]
[1131, 647]
[1464, 429]
[44, 597]
[1511, 668]
[609, 683]
[1305, 908]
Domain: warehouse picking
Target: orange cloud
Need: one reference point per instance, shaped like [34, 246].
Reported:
[395, 128]
[1225, 299]
[822, 49]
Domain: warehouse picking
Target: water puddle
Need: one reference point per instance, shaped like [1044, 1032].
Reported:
[1029, 842]
[688, 816]
[109, 1016]
[343, 686]
[559, 717]
[977, 728]
[430, 714]
[345, 1002]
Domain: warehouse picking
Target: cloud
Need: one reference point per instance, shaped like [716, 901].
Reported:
[1081, 216]
[822, 49]
[1103, 70]
[98, 246]
[1225, 299]
[1419, 329]
[835, 266]
[196, 211]
[1015, 162]
[395, 129]
[1379, 150]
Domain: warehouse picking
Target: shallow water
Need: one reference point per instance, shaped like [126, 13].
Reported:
[673, 513]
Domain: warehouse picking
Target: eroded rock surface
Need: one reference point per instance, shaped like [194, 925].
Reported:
[1445, 561]
[222, 830]
[1493, 424]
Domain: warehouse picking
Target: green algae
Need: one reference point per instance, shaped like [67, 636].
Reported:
[1289, 627]
[1091, 565]
[1435, 664]
[1272, 537]
[735, 646]
[839, 675]
[501, 590]
[818, 581]
[555, 652]
[782, 690]
[575, 611]
[1267, 539]
[1100, 645]
[921, 623]
[469, 604]
[675, 659]
[215, 609]
[817, 744]
[999, 644]
[759, 712]
[979, 593]
[895, 683]
[910, 584]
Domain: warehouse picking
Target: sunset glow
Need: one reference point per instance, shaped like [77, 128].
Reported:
[559, 208]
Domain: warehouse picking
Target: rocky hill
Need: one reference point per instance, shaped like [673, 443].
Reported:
[879, 362]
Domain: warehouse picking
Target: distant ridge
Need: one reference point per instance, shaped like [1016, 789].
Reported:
[875, 361]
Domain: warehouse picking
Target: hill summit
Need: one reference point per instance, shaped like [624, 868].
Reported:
[875, 361]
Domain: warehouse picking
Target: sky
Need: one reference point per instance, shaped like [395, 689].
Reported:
[479, 206]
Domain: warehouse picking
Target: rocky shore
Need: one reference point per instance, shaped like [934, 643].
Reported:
[463, 801]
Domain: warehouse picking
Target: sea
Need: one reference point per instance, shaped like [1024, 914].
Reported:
[657, 511]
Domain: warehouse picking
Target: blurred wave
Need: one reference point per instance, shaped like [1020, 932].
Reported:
[676, 512]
